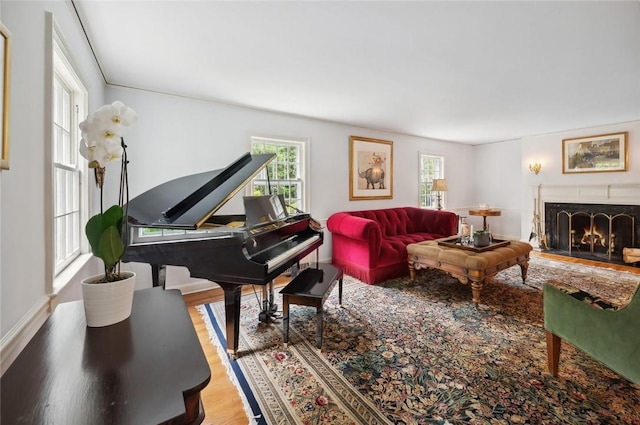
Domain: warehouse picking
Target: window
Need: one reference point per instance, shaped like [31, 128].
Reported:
[69, 194]
[66, 213]
[285, 174]
[431, 167]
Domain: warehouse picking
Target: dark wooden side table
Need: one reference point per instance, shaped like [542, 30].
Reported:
[148, 369]
[311, 288]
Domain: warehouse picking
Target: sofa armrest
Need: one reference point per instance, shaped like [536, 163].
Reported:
[353, 227]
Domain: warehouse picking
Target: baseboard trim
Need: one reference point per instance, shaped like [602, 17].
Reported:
[19, 336]
[195, 286]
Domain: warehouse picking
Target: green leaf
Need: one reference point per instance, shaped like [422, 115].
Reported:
[111, 247]
[94, 231]
[102, 231]
[112, 217]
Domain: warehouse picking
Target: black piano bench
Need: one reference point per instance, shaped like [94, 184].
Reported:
[311, 287]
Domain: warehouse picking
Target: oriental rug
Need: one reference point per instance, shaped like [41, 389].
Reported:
[420, 352]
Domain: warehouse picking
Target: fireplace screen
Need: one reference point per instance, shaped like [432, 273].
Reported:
[592, 231]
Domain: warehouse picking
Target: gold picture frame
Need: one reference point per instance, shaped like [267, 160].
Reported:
[370, 168]
[595, 154]
[5, 68]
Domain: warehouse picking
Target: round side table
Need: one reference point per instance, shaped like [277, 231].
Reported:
[485, 213]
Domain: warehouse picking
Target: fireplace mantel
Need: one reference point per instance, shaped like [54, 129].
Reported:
[620, 194]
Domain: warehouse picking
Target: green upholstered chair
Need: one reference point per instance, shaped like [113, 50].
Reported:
[608, 334]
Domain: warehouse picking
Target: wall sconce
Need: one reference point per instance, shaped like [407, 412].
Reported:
[439, 185]
[535, 167]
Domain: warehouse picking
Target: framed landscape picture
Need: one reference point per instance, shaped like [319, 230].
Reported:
[370, 168]
[595, 154]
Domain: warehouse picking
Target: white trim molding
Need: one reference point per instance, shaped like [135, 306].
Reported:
[615, 194]
[14, 341]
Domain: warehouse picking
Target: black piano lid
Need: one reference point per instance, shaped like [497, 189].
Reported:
[187, 202]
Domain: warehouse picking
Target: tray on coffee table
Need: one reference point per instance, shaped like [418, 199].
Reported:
[454, 242]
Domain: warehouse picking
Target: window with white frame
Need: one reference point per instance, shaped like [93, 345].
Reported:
[285, 174]
[69, 105]
[431, 167]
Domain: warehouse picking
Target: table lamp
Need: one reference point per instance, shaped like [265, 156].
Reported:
[439, 186]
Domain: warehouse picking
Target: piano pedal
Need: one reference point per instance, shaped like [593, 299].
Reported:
[269, 317]
[263, 317]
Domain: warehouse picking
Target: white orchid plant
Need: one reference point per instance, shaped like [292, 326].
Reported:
[103, 142]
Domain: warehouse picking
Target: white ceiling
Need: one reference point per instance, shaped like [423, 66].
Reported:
[472, 72]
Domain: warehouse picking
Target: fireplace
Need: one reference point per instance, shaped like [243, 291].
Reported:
[591, 231]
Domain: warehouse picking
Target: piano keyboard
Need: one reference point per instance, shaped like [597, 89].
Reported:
[284, 256]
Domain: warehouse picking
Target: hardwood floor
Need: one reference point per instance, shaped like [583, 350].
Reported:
[220, 398]
[619, 267]
[222, 404]
[221, 401]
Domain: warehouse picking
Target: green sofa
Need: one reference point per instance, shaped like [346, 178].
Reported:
[608, 334]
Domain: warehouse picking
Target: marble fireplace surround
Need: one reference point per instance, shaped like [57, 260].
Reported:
[612, 194]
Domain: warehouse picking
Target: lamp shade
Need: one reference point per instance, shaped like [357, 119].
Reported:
[439, 185]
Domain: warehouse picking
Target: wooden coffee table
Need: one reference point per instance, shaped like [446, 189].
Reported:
[476, 266]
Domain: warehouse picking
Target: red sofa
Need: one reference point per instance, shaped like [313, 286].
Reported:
[371, 245]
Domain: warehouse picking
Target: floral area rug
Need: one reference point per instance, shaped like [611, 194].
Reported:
[420, 352]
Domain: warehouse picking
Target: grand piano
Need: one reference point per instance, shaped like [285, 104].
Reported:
[182, 229]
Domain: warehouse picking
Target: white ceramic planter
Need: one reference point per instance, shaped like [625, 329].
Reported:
[107, 303]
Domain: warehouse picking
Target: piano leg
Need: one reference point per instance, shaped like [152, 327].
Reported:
[273, 307]
[158, 275]
[232, 317]
[269, 308]
[264, 313]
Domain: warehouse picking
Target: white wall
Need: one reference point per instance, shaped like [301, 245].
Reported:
[497, 181]
[22, 219]
[176, 136]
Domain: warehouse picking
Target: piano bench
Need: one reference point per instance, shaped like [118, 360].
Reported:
[311, 287]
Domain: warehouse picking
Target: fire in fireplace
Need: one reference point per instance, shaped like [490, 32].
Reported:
[595, 231]
[593, 236]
